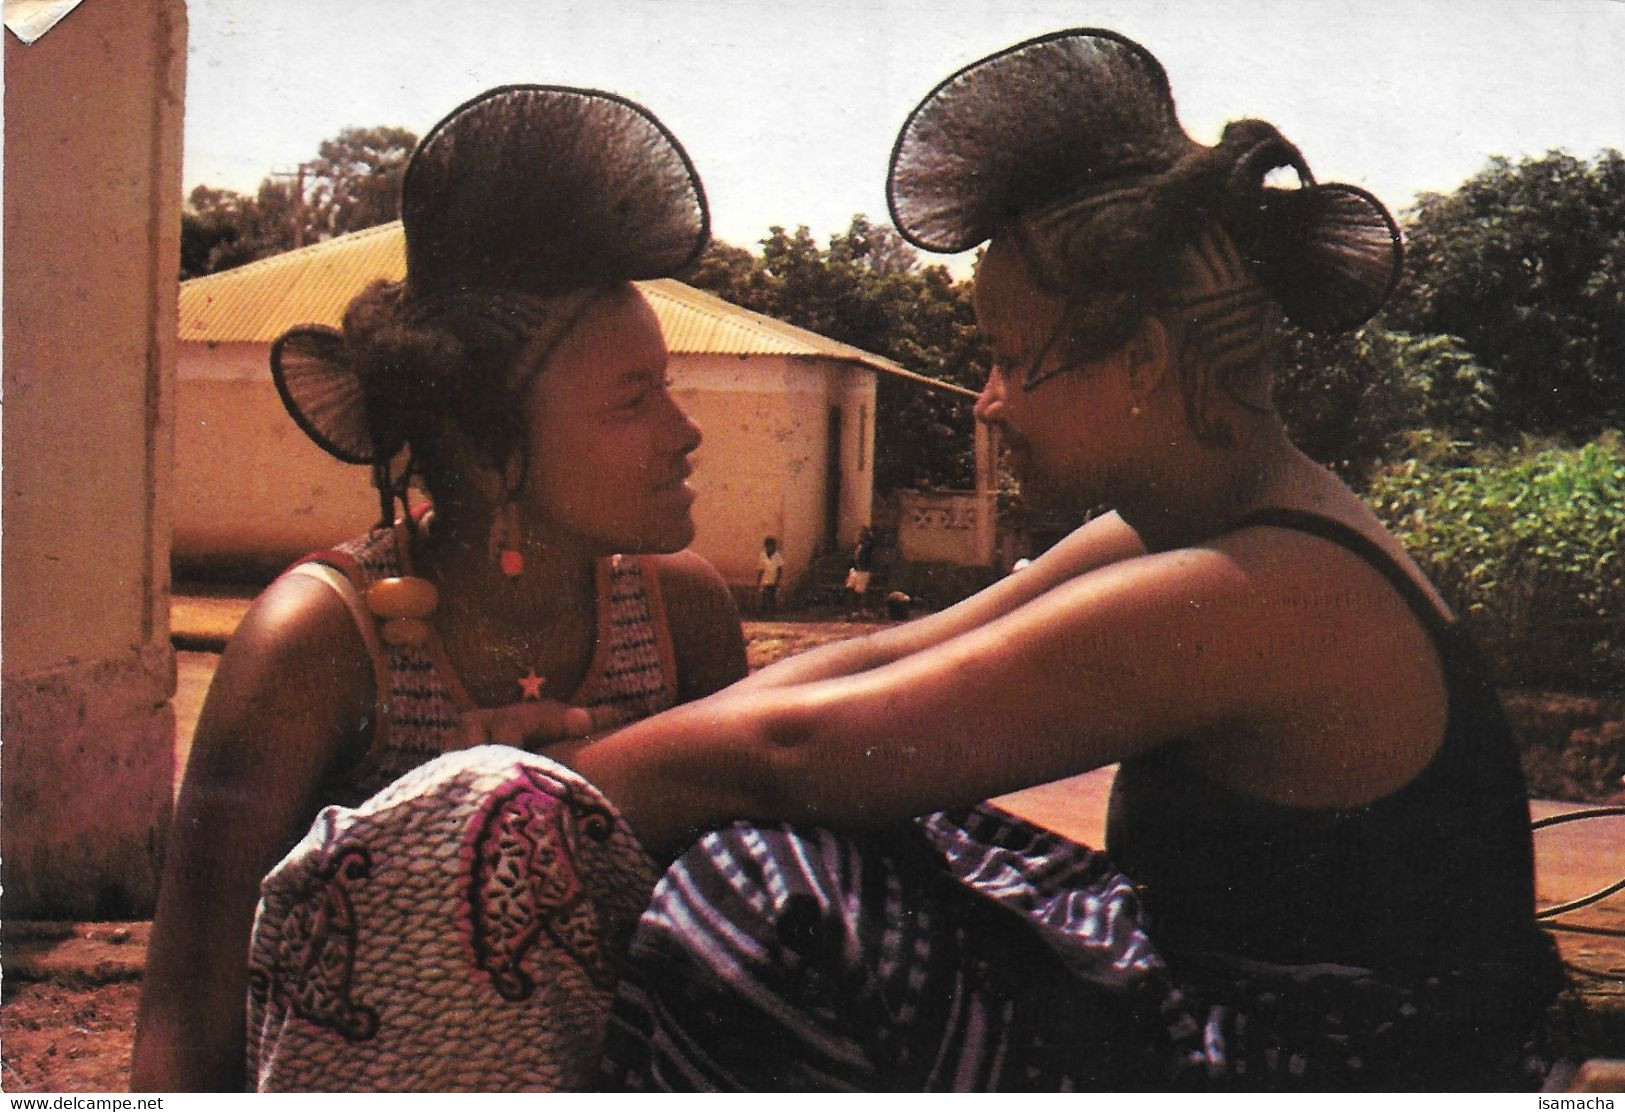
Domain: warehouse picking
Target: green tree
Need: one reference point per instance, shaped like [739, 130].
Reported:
[928, 434]
[1525, 263]
[866, 288]
[732, 273]
[878, 248]
[216, 231]
[1526, 542]
[1354, 400]
[354, 182]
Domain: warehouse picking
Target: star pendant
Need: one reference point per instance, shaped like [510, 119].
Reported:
[530, 685]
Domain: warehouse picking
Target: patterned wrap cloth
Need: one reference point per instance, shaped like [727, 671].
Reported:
[974, 951]
[461, 930]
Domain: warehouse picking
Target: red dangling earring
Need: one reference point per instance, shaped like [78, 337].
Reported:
[504, 542]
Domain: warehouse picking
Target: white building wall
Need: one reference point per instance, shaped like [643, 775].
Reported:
[944, 527]
[759, 471]
[857, 400]
[252, 492]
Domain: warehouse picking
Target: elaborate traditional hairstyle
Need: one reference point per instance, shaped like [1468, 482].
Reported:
[520, 209]
[1069, 145]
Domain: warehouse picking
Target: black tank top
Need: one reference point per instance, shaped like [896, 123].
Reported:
[1437, 876]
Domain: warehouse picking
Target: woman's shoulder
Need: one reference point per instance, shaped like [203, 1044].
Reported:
[298, 633]
[292, 696]
[1309, 579]
[1280, 614]
[687, 574]
[703, 620]
[1332, 610]
[1303, 534]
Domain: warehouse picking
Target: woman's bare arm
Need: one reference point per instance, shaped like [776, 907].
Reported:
[1105, 540]
[1131, 656]
[286, 702]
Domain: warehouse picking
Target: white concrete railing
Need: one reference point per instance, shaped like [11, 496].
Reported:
[957, 528]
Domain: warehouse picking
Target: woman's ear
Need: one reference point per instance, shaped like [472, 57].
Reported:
[469, 468]
[1145, 358]
[497, 482]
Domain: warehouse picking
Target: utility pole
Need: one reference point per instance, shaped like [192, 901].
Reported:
[298, 201]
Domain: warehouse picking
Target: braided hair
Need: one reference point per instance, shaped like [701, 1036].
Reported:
[1068, 145]
[520, 209]
[467, 358]
[1172, 244]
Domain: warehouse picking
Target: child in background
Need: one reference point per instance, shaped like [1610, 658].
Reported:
[769, 570]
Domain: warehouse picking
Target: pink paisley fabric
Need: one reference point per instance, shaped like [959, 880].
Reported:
[460, 931]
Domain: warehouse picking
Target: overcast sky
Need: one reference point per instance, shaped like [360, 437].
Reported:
[789, 109]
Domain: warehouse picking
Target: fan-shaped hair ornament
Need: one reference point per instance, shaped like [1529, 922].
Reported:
[1069, 140]
[1334, 260]
[1054, 117]
[321, 392]
[514, 204]
[544, 189]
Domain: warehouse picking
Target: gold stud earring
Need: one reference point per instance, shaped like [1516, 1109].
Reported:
[1133, 411]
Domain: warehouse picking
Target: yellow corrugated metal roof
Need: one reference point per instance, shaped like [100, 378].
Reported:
[312, 285]
[258, 302]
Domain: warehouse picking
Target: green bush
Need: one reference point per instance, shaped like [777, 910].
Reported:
[1526, 544]
[1353, 400]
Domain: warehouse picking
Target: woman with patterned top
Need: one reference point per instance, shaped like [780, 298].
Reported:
[519, 376]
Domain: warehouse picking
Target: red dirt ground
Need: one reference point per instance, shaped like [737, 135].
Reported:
[67, 1005]
[67, 1012]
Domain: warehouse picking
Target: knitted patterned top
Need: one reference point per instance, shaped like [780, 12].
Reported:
[633, 673]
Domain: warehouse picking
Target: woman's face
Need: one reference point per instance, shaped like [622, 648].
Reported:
[608, 444]
[1066, 439]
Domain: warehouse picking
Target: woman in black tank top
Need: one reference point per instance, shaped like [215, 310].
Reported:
[1322, 832]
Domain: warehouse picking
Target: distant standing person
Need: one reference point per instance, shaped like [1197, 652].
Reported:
[863, 558]
[769, 570]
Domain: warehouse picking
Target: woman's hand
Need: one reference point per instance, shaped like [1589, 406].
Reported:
[528, 725]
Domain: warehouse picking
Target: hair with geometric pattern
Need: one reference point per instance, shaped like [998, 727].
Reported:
[1068, 146]
[520, 209]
